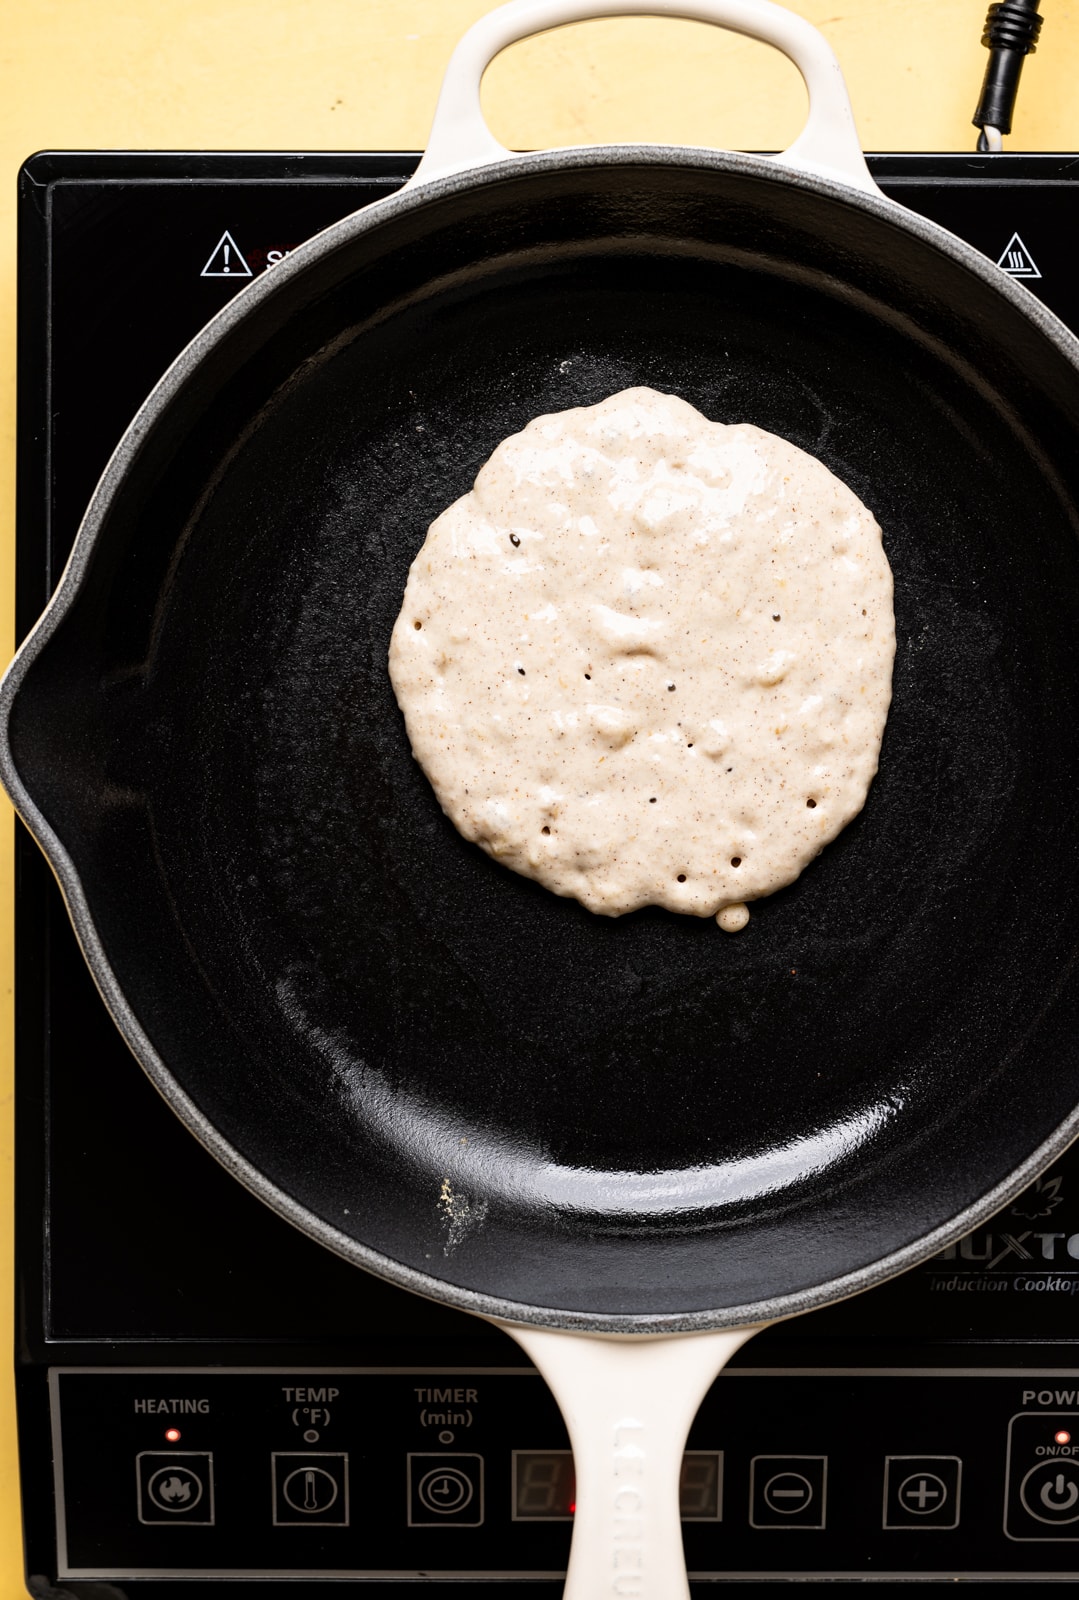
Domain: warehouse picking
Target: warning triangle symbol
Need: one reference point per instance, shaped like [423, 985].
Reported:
[226, 260]
[1017, 260]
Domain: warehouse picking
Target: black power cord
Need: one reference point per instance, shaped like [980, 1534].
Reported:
[1011, 32]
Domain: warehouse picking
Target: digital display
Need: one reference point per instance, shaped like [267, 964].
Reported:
[545, 1486]
[700, 1486]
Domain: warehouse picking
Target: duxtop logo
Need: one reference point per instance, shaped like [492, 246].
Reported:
[1040, 1200]
[1006, 1257]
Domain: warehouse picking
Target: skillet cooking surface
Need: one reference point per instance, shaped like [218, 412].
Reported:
[437, 1058]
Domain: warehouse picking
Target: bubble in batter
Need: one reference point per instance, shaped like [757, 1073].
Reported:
[647, 660]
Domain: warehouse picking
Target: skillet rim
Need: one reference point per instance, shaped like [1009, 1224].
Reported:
[110, 485]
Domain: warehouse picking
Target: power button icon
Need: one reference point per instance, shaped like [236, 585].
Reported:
[1050, 1492]
[1041, 1496]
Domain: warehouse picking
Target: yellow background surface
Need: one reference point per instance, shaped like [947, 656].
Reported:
[364, 75]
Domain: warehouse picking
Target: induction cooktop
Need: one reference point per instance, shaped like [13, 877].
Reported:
[206, 1397]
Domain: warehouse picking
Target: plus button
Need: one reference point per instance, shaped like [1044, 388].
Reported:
[921, 1493]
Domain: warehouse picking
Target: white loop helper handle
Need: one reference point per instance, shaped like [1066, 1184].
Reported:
[828, 145]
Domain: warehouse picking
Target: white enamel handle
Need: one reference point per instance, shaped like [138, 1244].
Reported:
[628, 1404]
[827, 146]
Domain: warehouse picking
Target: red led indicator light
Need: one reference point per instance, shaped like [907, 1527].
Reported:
[1063, 1437]
[172, 1435]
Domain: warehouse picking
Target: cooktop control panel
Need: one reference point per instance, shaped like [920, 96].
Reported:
[467, 1473]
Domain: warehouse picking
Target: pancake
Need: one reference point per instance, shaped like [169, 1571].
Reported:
[647, 659]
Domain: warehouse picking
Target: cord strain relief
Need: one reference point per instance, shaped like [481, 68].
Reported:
[1013, 25]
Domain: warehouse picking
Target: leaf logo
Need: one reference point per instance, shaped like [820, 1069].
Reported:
[1040, 1200]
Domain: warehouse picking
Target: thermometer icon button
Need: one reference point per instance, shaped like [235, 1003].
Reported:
[310, 1489]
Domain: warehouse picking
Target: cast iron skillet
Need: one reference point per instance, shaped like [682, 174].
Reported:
[433, 1066]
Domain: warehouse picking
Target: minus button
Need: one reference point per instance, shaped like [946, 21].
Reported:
[787, 1491]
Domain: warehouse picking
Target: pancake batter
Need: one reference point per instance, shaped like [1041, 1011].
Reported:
[647, 660]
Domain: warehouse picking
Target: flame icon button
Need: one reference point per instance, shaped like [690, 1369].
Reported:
[176, 1488]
